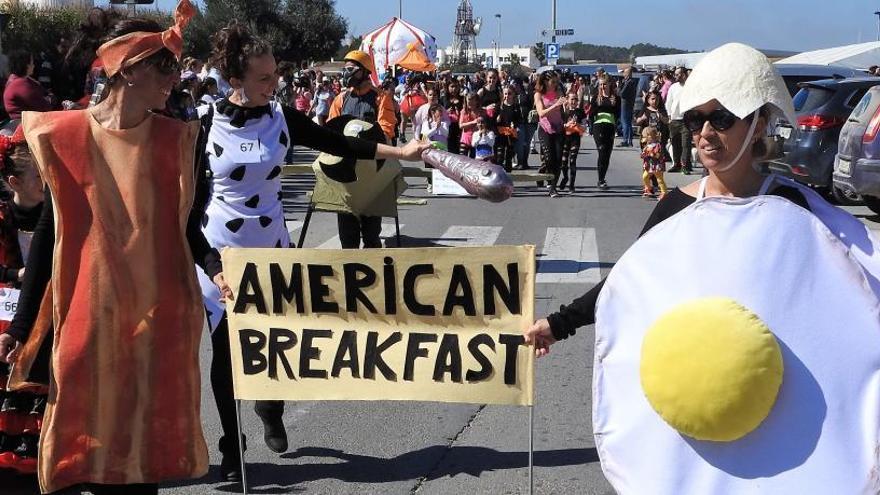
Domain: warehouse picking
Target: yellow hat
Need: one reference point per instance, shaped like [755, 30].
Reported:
[362, 59]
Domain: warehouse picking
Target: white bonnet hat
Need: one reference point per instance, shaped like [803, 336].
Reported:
[741, 78]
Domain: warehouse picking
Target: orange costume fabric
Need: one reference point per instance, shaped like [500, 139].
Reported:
[124, 386]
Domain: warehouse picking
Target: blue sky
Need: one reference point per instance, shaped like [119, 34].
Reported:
[796, 25]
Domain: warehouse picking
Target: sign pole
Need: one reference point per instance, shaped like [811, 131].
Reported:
[531, 450]
[244, 484]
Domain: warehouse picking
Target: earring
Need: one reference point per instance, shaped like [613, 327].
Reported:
[130, 83]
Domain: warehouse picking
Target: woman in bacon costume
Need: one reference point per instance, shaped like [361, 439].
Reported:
[115, 239]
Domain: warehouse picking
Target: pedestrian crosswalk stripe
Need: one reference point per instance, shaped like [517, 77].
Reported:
[469, 235]
[569, 256]
[388, 231]
[293, 225]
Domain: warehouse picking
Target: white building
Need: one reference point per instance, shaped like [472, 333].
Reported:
[524, 53]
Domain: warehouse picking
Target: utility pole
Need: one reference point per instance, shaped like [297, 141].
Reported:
[498, 43]
[553, 13]
[878, 24]
[400, 9]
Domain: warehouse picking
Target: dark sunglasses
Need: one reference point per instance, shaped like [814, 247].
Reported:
[720, 120]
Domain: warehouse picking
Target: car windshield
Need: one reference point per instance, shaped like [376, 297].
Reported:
[811, 98]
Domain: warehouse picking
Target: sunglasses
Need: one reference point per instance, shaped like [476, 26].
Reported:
[720, 120]
[165, 65]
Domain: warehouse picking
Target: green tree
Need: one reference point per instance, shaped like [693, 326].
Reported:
[298, 30]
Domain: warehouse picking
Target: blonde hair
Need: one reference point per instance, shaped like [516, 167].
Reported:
[650, 134]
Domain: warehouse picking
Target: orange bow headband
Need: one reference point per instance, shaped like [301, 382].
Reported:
[131, 48]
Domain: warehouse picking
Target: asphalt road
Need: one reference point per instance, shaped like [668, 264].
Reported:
[435, 448]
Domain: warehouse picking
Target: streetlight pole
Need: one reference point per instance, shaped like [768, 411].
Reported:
[400, 9]
[553, 14]
[498, 43]
[878, 24]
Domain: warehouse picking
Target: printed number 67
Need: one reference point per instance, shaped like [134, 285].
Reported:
[245, 147]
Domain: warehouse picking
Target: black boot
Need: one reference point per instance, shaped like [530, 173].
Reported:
[230, 464]
[271, 413]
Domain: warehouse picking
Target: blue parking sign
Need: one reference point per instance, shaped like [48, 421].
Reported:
[552, 50]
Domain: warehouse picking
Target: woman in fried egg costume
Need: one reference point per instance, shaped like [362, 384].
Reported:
[753, 366]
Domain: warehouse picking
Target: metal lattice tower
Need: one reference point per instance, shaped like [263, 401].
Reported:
[464, 41]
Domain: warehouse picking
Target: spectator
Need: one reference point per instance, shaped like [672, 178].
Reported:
[678, 133]
[528, 126]
[470, 116]
[628, 90]
[490, 96]
[507, 122]
[453, 101]
[434, 128]
[207, 92]
[575, 127]
[423, 113]
[321, 102]
[655, 116]
[23, 92]
[604, 112]
[483, 140]
[548, 103]
[668, 81]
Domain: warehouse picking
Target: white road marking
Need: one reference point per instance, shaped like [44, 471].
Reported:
[469, 235]
[569, 256]
[388, 232]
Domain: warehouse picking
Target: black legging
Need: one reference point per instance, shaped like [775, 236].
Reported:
[353, 228]
[603, 133]
[551, 154]
[221, 384]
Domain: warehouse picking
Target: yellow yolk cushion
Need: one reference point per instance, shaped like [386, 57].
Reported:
[711, 369]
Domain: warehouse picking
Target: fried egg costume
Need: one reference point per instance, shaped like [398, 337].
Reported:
[754, 366]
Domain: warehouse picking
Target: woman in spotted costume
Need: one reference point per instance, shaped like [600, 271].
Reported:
[248, 135]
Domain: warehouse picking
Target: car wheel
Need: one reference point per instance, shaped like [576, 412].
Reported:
[873, 203]
[846, 197]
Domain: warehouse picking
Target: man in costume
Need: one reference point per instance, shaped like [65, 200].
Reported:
[125, 305]
[364, 102]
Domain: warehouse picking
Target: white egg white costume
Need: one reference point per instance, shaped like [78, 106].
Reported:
[812, 276]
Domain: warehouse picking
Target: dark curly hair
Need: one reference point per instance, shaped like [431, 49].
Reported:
[233, 47]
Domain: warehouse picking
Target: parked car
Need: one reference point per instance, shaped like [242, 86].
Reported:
[794, 74]
[810, 145]
[857, 165]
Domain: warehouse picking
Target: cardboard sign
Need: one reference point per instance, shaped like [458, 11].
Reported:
[427, 324]
[444, 186]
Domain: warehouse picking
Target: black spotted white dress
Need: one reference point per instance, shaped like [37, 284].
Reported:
[245, 150]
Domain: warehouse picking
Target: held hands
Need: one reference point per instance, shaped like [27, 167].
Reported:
[225, 290]
[9, 348]
[412, 152]
[541, 336]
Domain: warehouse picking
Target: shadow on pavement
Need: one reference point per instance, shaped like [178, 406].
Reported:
[431, 462]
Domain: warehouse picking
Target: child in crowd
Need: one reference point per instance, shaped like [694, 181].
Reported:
[467, 121]
[575, 126]
[653, 164]
[435, 129]
[21, 411]
[507, 120]
[484, 141]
